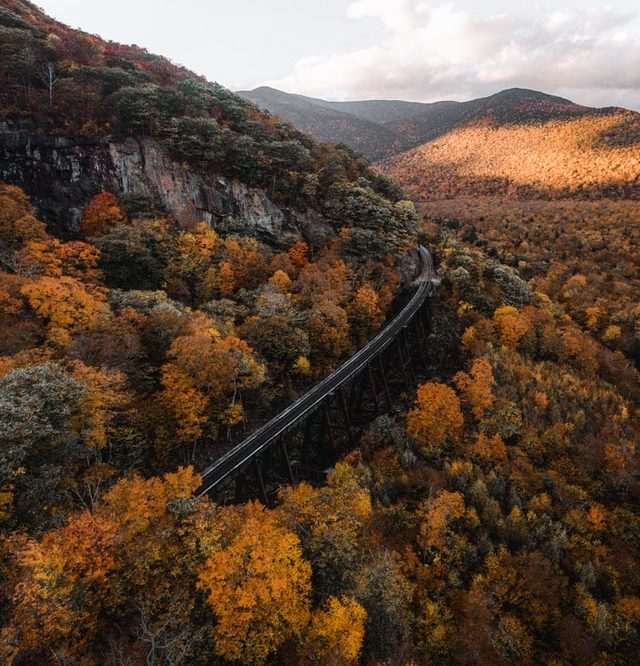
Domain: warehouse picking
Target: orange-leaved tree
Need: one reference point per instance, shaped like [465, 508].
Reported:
[67, 305]
[299, 254]
[332, 524]
[512, 325]
[490, 449]
[365, 315]
[65, 580]
[475, 386]
[17, 221]
[437, 514]
[101, 215]
[125, 556]
[257, 584]
[203, 380]
[435, 418]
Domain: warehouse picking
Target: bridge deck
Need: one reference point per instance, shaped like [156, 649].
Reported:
[226, 468]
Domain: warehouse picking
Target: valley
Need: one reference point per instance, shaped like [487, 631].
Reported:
[449, 473]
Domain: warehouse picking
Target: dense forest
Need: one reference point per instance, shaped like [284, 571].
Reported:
[144, 341]
[495, 521]
[183, 335]
[585, 254]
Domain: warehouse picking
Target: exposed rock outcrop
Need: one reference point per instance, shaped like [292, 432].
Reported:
[61, 174]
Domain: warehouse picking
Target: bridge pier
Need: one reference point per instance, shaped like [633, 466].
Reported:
[347, 417]
[287, 460]
[374, 390]
[239, 487]
[328, 425]
[359, 386]
[407, 346]
[403, 365]
[306, 438]
[422, 338]
[385, 383]
[260, 479]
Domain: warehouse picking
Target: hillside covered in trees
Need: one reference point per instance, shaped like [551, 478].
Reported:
[136, 340]
[177, 336]
[79, 115]
[586, 254]
[336, 122]
[271, 308]
[589, 156]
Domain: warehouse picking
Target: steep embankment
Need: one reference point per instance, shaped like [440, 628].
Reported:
[63, 173]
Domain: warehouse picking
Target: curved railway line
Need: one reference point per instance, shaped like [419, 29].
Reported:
[357, 375]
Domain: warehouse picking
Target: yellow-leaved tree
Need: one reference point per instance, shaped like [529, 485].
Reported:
[336, 632]
[365, 315]
[437, 514]
[475, 386]
[67, 306]
[512, 325]
[203, 380]
[332, 523]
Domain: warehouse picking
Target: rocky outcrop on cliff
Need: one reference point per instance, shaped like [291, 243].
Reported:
[61, 174]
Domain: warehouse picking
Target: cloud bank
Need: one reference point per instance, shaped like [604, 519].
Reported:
[434, 51]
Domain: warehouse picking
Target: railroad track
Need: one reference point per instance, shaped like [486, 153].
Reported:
[235, 462]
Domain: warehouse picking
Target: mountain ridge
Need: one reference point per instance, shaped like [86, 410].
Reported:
[400, 125]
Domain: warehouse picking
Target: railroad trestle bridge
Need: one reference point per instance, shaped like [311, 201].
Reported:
[310, 434]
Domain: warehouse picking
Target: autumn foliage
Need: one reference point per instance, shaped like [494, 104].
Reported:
[503, 501]
[144, 347]
[258, 586]
[101, 215]
[436, 416]
[492, 518]
[585, 157]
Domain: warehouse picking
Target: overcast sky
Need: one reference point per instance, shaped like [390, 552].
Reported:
[388, 49]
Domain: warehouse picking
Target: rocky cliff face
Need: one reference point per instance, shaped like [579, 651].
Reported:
[61, 174]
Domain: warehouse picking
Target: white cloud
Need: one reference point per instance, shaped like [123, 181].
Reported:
[434, 51]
